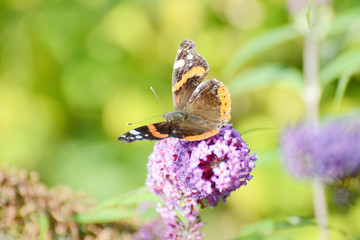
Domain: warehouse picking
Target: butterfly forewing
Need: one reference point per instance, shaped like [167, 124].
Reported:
[154, 131]
[189, 71]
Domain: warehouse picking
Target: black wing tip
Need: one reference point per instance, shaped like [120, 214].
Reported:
[125, 139]
[129, 138]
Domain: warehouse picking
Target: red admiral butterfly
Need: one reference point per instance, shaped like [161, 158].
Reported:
[201, 109]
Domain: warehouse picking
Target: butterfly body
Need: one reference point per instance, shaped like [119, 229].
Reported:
[201, 108]
[176, 117]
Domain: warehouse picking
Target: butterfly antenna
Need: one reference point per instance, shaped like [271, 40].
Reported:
[143, 120]
[152, 89]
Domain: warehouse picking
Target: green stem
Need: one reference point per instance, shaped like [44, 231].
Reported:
[320, 207]
[311, 96]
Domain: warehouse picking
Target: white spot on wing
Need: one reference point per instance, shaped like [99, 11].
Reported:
[134, 132]
[138, 137]
[146, 135]
[189, 57]
[179, 63]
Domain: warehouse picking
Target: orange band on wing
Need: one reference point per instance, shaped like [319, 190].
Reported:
[195, 71]
[202, 136]
[224, 97]
[154, 132]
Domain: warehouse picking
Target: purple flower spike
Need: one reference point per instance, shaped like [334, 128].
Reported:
[331, 153]
[188, 175]
[151, 231]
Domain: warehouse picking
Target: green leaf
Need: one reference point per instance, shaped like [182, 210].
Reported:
[339, 65]
[264, 75]
[262, 228]
[132, 198]
[343, 20]
[295, 221]
[260, 44]
[265, 228]
[278, 36]
[118, 208]
[308, 13]
[343, 83]
[106, 215]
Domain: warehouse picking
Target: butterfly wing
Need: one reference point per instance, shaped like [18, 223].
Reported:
[209, 109]
[189, 71]
[154, 131]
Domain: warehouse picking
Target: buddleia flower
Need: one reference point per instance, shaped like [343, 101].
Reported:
[189, 175]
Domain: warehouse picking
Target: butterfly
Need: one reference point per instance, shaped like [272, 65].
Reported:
[201, 108]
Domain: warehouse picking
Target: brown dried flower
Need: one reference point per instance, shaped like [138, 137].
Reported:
[28, 209]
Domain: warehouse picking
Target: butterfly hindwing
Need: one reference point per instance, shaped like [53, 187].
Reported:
[210, 101]
[154, 131]
[209, 110]
[189, 71]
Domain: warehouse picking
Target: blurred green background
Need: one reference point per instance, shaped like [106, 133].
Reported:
[73, 73]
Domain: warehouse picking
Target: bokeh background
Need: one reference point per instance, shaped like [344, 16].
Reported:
[73, 73]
